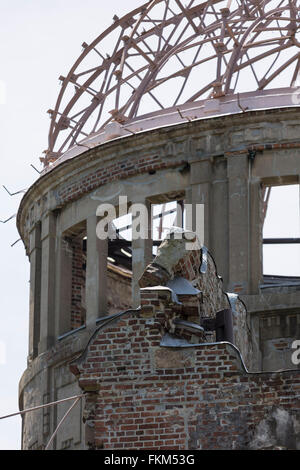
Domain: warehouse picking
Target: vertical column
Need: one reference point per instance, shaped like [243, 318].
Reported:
[35, 290]
[48, 234]
[96, 273]
[219, 222]
[256, 236]
[179, 221]
[141, 253]
[239, 223]
[201, 194]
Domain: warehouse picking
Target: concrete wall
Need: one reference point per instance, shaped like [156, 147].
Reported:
[118, 291]
[49, 379]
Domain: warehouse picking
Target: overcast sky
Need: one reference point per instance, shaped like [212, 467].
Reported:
[40, 40]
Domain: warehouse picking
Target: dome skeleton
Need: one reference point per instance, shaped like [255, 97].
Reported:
[224, 37]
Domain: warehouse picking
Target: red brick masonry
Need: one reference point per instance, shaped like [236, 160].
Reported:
[144, 396]
[122, 169]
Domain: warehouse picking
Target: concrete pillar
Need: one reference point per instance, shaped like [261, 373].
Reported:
[141, 254]
[35, 290]
[96, 273]
[256, 236]
[239, 223]
[179, 221]
[48, 234]
[201, 194]
[219, 222]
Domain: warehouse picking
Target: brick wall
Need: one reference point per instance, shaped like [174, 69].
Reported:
[144, 396]
[122, 169]
[188, 266]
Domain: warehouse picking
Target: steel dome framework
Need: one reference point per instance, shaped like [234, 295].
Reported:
[164, 54]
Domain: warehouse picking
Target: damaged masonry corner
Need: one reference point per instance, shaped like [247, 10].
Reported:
[183, 285]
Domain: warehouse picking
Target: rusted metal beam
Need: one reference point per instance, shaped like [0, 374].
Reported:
[215, 40]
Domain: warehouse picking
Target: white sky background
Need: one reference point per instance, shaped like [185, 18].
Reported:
[39, 41]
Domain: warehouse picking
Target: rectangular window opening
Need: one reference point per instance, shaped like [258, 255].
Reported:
[72, 305]
[281, 233]
[164, 217]
[119, 265]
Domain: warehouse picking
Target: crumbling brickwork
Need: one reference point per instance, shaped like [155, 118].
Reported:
[144, 396]
[175, 260]
[154, 381]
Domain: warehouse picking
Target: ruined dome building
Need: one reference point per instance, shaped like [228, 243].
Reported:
[175, 105]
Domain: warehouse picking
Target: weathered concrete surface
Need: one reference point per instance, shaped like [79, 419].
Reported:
[118, 291]
[280, 429]
[48, 379]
